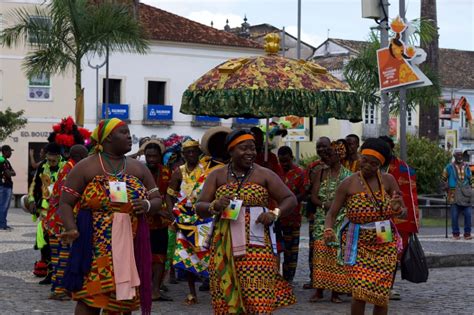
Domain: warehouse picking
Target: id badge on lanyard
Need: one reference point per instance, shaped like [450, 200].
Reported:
[118, 192]
[384, 231]
[232, 211]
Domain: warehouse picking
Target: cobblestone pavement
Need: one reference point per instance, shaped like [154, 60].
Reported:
[446, 292]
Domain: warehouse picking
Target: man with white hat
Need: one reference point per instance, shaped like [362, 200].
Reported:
[458, 180]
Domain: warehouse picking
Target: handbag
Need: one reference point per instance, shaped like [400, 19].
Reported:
[413, 264]
[462, 193]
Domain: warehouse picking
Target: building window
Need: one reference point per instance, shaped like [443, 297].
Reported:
[42, 23]
[115, 86]
[39, 87]
[156, 92]
[322, 121]
[369, 115]
[409, 117]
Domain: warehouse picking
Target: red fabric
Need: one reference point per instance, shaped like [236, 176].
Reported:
[162, 180]
[52, 222]
[295, 180]
[406, 179]
[272, 163]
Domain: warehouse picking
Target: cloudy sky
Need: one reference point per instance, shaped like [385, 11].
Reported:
[338, 18]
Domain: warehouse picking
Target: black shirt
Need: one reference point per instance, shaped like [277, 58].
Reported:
[5, 180]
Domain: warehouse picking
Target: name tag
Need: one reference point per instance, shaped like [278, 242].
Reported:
[233, 210]
[118, 192]
[384, 231]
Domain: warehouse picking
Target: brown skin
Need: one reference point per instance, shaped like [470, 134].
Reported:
[191, 157]
[369, 166]
[286, 162]
[353, 148]
[332, 160]
[115, 145]
[243, 156]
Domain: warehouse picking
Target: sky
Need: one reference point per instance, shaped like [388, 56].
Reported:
[320, 18]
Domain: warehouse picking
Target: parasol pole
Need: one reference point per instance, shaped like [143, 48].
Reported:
[267, 135]
[298, 56]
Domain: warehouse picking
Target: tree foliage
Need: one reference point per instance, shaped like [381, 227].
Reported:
[64, 31]
[429, 160]
[9, 122]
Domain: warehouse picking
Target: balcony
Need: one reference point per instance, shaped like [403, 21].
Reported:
[466, 134]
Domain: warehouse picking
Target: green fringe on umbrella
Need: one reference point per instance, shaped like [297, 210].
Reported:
[263, 103]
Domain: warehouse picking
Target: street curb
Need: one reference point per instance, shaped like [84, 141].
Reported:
[447, 261]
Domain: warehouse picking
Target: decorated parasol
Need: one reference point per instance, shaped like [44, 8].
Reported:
[268, 86]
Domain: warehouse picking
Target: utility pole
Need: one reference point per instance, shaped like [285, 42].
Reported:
[403, 99]
[385, 112]
[298, 56]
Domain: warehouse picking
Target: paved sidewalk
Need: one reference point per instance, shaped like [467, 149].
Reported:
[444, 293]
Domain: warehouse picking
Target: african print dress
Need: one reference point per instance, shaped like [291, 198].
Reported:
[371, 263]
[327, 272]
[193, 233]
[249, 283]
[99, 283]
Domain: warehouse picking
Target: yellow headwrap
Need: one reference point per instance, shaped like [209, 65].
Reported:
[103, 130]
[190, 143]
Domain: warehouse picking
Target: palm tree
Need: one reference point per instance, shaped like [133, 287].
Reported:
[429, 115]
[63, 31]
[361, 73]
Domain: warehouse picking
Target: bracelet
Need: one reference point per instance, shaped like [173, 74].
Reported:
[211, 208]
[148, 205]
[173, 193]
[153, 190]
[276, 212]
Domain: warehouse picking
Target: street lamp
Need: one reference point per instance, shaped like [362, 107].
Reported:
[96, 67]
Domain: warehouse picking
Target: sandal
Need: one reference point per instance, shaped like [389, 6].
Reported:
[336, 300]
[317, 296]
[190, 300]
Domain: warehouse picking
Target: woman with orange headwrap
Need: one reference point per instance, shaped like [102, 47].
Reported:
[110, 257]
[370, 239]
[243, 267]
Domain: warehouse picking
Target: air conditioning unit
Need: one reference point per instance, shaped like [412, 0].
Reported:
[371, 9]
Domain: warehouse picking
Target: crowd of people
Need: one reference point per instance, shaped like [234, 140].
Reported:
[112, 227]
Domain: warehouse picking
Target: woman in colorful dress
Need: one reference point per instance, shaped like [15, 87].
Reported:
[192, 241]
[369, 240]
[109, 266]
[327, 272]
[244, 275]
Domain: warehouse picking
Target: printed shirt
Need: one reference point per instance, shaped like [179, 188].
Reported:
[453, 172]
[295, 180]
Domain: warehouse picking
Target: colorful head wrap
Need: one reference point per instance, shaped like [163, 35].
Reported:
[377, 148]
[189, 144]
[340, 149]
[240, 139]
[103, 130]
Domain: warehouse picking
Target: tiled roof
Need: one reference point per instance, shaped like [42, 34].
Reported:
[166, 26]
[455, 66]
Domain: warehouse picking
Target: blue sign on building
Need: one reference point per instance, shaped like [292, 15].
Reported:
[207, 118]
[247, 121]
[159, 112]
[120, 111]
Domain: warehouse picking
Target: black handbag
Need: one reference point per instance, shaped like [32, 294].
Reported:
[413, 265]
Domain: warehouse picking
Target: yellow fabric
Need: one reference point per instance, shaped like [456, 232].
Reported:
[190, 143]
[103, 130]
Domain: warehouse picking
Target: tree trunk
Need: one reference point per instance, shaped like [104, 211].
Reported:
[429, 115]
[79, 95]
